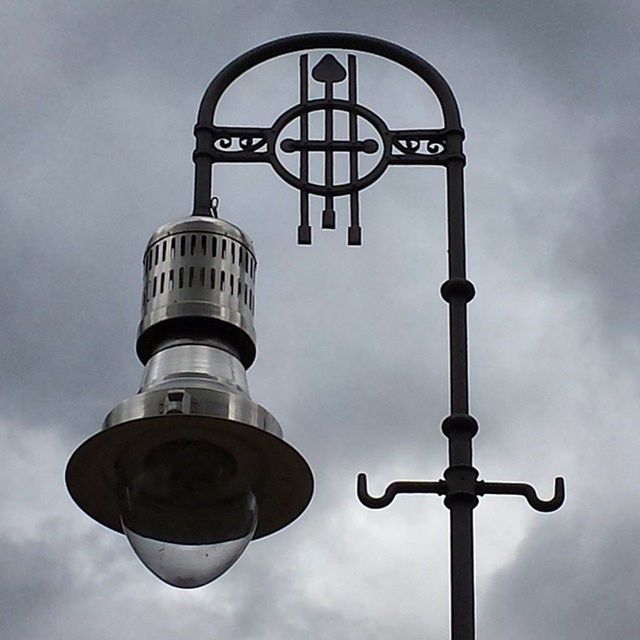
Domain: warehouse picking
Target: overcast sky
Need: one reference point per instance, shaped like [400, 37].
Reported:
[97, 109]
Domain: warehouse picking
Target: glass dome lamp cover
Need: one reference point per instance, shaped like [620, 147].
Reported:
[185, 510]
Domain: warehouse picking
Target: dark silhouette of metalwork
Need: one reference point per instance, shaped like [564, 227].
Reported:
[216, 143]
[252, 144]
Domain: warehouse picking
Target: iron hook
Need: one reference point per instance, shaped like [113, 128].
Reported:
[402, 486]
[526, 490]
[213, 206]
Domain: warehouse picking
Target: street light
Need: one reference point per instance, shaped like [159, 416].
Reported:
[191, 468]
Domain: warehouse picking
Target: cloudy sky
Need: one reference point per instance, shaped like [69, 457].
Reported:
[97, 108]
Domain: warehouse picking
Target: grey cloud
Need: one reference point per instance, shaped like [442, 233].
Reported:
[96, 125]
[578, 579]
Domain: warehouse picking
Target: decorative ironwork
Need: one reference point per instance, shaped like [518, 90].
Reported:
[388, 147]
[441, 487]
[239, 142]
[417, 143]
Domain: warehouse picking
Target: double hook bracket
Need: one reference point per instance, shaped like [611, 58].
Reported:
[446, 488]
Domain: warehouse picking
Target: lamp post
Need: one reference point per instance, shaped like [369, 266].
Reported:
[191, 469]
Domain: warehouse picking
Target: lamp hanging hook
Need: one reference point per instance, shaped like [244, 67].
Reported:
[400, 486]
[213, 206]
[526, 490]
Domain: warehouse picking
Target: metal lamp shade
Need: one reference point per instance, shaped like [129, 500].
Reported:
[196, 339]
[280, 477]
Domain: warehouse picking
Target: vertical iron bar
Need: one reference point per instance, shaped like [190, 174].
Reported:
[462, 578]
[203, 172]
[460, 505]
[354, 234]
[328, 156]
[304, 230]
[457, 306]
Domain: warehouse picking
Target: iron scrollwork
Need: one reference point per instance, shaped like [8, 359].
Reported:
[384, 146]
[417, 145]
[239, 143]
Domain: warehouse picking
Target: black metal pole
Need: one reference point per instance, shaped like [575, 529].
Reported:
[215, 143]
[459, 427]
[462, 572]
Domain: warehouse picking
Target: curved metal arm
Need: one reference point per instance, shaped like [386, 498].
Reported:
[403, 486]
[330, 40]
[526, 490]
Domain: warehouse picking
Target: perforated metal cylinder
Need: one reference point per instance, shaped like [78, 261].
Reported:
[199, 276]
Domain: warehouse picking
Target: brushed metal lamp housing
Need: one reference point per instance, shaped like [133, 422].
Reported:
[191, 468]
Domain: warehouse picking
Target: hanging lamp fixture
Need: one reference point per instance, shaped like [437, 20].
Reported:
[191, 469]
